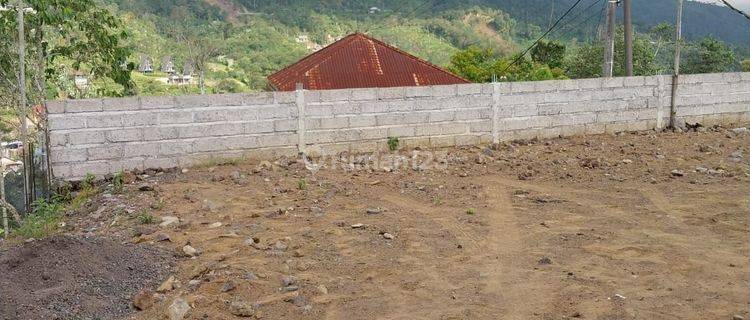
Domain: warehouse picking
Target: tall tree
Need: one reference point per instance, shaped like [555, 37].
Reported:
[586, 61]
[551, 53]
[708, 55]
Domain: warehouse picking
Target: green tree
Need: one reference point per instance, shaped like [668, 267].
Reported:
[550, 53]
[481, 65]
[65, 37]
[746, 65]
[708, 55]
[586, 62]
[474, 64]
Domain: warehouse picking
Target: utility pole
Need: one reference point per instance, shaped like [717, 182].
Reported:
[609, 45]
[676, 75]
[23, 112]
[2, 198]
[627, 8]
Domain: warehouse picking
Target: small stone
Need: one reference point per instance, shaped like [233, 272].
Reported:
[145, 188]
[288, 281]
[740, 130]
[162, 238]
[189, 251]
[480, 159]
[280, 246]
[738, 317]
[241, 309]
[388, 236]
[185, 170]
[300, 301]
[208, 205]
[678, 173]
[194, 284]
[178, 309]
[701, 169]
[627, 161]
[374, 211]
[358, 226]
[545, 261]
[619, 296]
[291, 288]
[228, 286]
[168, 221]
[215, 225]
[316, 211]
[167, 285]
[143, 300]
[250, 276]
[322, 289]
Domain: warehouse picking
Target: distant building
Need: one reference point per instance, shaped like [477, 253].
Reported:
[167, 65]
[359, 61]
[146, 65]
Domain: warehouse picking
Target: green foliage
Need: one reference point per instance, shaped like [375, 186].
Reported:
[471, 211]
[708, 55]
[393, 143]
[586, 62]
[746, 65]
[118, 182]
[88, 182]
[67, 37]
[482, 65]
[302, 184]
[44, 220]
[550, 53]
[145, 218]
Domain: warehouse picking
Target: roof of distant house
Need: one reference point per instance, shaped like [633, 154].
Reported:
[360, 61]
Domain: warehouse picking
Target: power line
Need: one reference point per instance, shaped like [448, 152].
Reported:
[520, 56]
[735, 9]
[571, 20]
[598, 13]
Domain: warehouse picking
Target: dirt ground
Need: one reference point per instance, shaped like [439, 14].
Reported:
[633, 226]
[65, 277]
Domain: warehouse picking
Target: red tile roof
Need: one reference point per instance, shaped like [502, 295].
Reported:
[359, 61]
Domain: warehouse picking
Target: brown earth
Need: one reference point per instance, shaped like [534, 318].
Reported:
[596, 227]
[66, 277]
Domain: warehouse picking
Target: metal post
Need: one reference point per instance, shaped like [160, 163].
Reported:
[609, 45]
[301, 118]
[23, 112]
[2, 197]
[676, 75]
[627, 8]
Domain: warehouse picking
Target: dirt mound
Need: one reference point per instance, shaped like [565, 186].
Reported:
[65, 277]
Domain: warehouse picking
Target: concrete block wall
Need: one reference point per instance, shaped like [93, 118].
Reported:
[104, 136]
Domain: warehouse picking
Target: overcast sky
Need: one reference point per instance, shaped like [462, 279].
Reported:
[742, 4]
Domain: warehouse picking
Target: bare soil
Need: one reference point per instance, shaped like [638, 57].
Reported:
[633, 226]
[65, 277]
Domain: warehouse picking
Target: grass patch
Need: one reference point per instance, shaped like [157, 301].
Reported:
[118, 183]
[471, 211]
[43, 221]
[146, 218]
[302, 184]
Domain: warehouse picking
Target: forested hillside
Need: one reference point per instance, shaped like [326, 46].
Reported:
[235, 44]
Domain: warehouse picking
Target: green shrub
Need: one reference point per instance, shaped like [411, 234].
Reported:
[118, 182]
[393, 143]
[145, 218]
